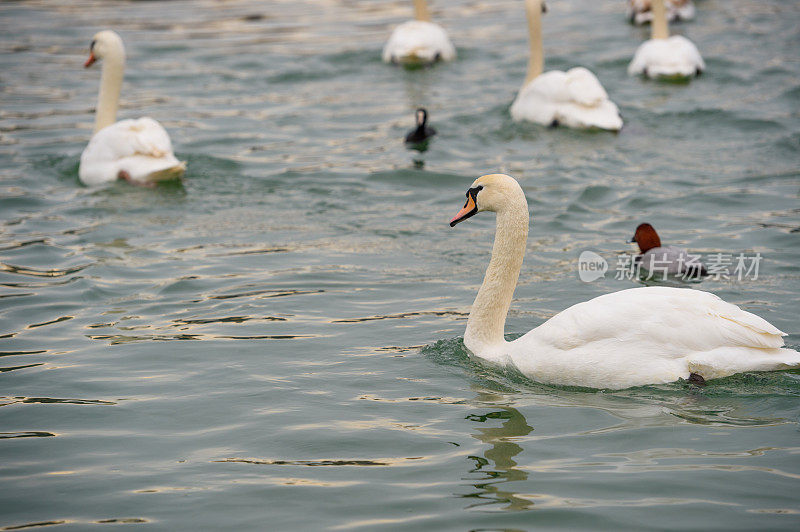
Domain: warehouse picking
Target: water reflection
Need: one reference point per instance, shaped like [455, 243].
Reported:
[497, 465]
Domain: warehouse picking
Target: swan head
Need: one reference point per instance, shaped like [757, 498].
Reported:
[105, 43]
[646, 237]
[491, 192]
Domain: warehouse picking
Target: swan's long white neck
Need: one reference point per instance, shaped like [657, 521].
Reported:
[659, 28]
[536, 58]
[110, 88]
[421, 10]
[487, 318]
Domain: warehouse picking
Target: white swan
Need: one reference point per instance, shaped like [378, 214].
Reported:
[629, 338]
[640, 11]
[419, 40]
[665, 57]
[574, 98]
[138, 150]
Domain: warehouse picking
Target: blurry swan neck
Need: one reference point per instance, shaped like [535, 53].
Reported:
[487, 317]
[421, 10]
[536, 58]
[110, 87]
[658, 27]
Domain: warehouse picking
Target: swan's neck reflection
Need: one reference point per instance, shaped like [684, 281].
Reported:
[497, 465]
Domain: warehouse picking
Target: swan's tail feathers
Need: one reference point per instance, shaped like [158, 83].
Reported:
[168, 174]
[726, 361]
[744, 329]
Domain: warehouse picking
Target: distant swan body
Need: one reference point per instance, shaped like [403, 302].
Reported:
[665, 57]
[634, 337]
[136, 150]
[574, 98]
[640, 11]
[419, 41]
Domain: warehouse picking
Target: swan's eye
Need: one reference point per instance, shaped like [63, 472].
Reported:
[91, 46]
[474, 191]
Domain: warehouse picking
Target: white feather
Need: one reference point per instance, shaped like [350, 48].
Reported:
[675, 56]
[418, 41]
[574, 98]
[140, 147]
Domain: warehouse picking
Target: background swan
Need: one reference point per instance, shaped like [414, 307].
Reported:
[629, 338]
[138, 150]
[663, 56]
[640, 11]
[419, 40]
[574, 98]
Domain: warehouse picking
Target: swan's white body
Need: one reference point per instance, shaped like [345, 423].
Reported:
[629, 338]
[640, 12]
[138, 147]
[676, 56]
[574, 98]
[419, 40]
[139, 150]
[663, 56]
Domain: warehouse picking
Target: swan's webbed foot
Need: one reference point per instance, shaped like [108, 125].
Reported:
[554, 123]
[697, 379]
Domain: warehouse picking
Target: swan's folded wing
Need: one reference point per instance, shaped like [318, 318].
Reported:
[142, 136]
[676, 55]
[418, 40]
[147, 137]
[673, 322]
[140, 147]
[584, 88]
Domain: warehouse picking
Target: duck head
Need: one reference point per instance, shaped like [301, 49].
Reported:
[646, 237]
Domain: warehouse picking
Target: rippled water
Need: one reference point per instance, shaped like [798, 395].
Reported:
[276, 343]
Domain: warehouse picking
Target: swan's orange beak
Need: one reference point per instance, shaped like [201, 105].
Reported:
[90, 61]
[469, 209]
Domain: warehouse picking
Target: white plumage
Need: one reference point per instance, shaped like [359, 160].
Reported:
[139, 149]
[675, 56]
[649, 335]
[418, 41]
[574, 99]
[629, 338]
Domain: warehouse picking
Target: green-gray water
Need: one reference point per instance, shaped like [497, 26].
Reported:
[276, 344]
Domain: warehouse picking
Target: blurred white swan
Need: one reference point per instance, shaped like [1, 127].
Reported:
[138, 151]
[665, 57]
[640, 11]
[419, 40]
[629, 338]
[574, 98]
